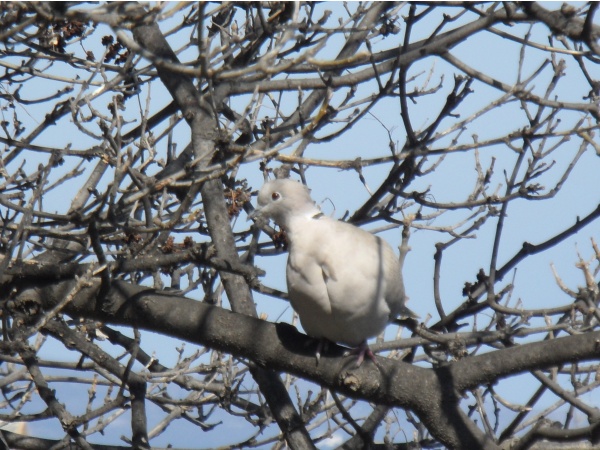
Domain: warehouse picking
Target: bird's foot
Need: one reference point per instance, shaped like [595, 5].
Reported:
[321, 346]
[363, 351]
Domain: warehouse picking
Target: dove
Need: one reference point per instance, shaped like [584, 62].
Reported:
[344, 283]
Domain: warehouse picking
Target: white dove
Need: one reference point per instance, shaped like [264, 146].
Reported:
[344, 282]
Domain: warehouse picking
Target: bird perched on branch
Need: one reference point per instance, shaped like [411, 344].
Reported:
[344, 282]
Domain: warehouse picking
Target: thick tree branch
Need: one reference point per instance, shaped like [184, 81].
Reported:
[200, 115]
[280, 347]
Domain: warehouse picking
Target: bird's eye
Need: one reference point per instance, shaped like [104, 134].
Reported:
[275, 195]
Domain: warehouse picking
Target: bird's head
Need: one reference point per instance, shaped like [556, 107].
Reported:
[283, 199]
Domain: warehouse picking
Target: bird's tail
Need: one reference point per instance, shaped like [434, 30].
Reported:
[405, 312]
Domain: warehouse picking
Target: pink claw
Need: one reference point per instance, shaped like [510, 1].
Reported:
[363, 350]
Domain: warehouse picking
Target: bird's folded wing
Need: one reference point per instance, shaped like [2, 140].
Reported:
[306, 278]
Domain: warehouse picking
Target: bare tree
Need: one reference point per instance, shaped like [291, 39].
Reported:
[133, 139]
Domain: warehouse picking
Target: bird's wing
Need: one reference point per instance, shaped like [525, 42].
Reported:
[307, 277]
[394, 293]
[350, 256]
[369, 270]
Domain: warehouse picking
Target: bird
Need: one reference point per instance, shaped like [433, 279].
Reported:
[344, 283]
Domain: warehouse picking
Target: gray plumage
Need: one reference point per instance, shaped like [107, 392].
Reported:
[344, 283]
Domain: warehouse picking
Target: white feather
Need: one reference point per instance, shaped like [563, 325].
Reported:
[344, 283]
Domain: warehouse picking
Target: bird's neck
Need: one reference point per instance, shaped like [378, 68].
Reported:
[302, 219]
